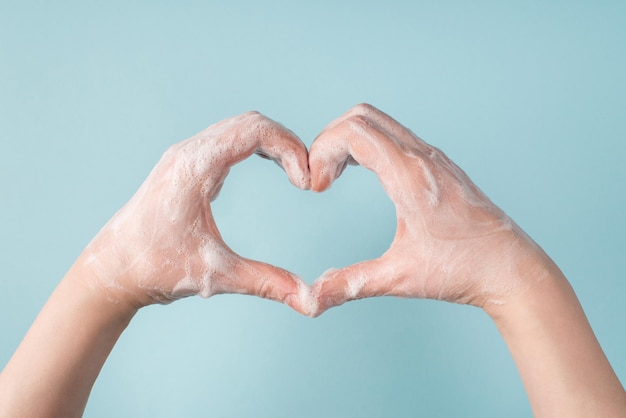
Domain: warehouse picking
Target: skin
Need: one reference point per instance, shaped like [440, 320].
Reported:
[451, 244]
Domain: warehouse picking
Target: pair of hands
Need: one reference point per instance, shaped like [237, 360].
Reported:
[452, 243]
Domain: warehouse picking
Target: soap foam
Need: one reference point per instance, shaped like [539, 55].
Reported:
[308, 302]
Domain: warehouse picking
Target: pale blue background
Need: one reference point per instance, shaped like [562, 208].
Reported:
[529, 97]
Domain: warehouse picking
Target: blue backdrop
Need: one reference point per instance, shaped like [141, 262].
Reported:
[529, 97]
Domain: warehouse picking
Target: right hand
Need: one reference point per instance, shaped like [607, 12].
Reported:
[452, 243]
[164, 244]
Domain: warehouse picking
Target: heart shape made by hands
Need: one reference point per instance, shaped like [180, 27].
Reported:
[451, 242]
[445, 224]
[263, 217]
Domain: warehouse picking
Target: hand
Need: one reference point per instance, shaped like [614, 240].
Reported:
[452, 243]
[164, 244]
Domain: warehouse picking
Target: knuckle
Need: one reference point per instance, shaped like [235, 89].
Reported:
[358, 122]
[251, 117]
[364, 109]
[171, 151]
[252, 114]
[265, 289]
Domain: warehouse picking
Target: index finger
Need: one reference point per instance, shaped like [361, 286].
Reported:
[354, 137]
[210, 154]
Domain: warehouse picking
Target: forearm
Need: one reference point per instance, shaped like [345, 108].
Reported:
[561, 363]
[53, 370]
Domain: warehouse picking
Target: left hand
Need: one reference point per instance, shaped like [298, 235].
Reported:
[452, 243]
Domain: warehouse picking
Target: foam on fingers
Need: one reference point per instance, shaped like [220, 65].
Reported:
[304, 301]
[297, 169]
[286, 149]
[329, 154]
[329, 290]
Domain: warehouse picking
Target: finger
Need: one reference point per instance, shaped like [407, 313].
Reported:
[354, 138]
[270, 139]
[210, 154]
[392, 127]
[362, 280]
[328, 158]
[385, 122]
[268, 282]
[288, 151]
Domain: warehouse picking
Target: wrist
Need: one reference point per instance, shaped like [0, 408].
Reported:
[514, 266]
[531, 273]
[104, 286]
[111, 271]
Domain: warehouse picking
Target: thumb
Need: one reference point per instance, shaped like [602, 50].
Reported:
[270, 282]
[362, 280]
